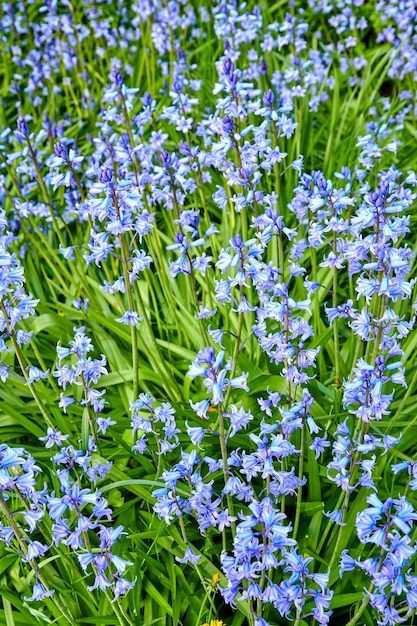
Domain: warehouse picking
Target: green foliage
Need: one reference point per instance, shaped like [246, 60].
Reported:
[166, 592]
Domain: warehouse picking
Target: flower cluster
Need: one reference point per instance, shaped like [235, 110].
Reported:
[84, 372]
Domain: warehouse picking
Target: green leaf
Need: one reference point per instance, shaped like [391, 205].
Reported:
[157, 596]
[15, 601]
[8, 613]
[6, 561]
[310, 508]
[85, 429]
[96, 620]
[345, 599]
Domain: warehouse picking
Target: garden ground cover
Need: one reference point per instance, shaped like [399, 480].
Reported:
[207, 313]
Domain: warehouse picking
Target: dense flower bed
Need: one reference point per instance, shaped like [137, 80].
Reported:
[207, 311]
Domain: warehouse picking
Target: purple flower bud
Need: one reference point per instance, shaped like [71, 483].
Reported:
[49, 126]
[228, 66]
[384, 187]
[22, 127]
[116, 77]
[105, 175]
[263, 68]
[237, 242]
[245, 173]
[179, 237]
[228, 125]
[177, 86]
[269, 98]
[194, 221]
[147, 99]
[184, 148]
[15, 225]
[376, 198]
[166, 159]
[61, 150]
[125, 141]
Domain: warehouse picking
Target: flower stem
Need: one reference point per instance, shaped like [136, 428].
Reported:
[300, 488]
[223, 448]
[133, 332]
[19, 538]
[21, 361]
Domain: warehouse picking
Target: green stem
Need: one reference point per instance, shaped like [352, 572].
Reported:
[369, 591]
[47, 535]
[195, 299]
[244, 210]
[223, 449]
[116, 610]
[107, 592]
[88, 411]
[135, 161]
[12, 177]
[362, 608]
[171, 386]
[53, 260]
[336, 334]
[357, 352]
[33, 564]
[297, 618]
[77, 182]
[236, 351]
[45, 193]
[41, 361]
[354, 462]
[123, 612]
[203, 604]
[234, 362]
[21, 361]
[329, 525]
[276, 165]
[300, 489]
[187, 543]
[133, 332]
[402, 405]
